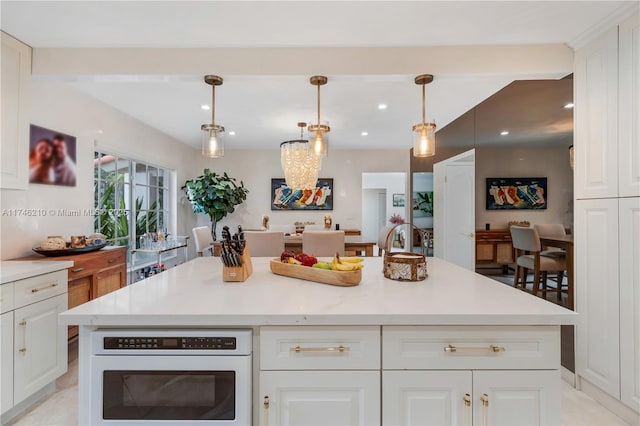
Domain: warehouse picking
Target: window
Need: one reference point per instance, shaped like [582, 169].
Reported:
[131, 199]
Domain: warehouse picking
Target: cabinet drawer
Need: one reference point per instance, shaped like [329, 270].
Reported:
[452, 347]
[320, 348]
[40, 287]
[6, 297]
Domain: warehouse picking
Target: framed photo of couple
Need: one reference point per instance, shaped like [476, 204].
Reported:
[52, 157]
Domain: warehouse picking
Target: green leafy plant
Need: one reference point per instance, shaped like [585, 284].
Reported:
[215, 195]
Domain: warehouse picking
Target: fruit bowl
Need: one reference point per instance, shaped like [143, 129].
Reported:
[325, 276]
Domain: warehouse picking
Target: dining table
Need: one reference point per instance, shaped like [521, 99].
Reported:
[565, 243]
[353, 245]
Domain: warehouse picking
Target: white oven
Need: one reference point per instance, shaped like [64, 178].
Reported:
[177, 377]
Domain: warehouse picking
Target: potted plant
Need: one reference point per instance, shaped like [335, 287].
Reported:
[214, 194]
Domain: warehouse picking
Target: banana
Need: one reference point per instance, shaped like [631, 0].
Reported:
[294, 261]
[352, 259]
[348, 266]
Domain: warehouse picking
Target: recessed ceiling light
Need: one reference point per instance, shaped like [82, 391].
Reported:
[232, 133]
[205, 107]
[364, 133]
[569, 105]
[382, 106]
[504, 133]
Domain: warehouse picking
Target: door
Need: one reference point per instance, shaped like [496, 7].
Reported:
[6, 361]
[319, 398]
[454, 209]
[513, 398]
[40, 354]
[374, 212]
[426, 398]
[630, 298]
[598, 294]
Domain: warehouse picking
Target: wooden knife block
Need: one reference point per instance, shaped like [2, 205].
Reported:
[239, 273]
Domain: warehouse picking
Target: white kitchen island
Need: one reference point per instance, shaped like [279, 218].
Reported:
[457, 348]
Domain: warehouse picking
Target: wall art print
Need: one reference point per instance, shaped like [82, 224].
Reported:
[517, 193]
[52, 157]
[423, 204]
[318, 198]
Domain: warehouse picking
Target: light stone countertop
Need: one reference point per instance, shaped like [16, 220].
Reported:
[193, 294]
[13, 270]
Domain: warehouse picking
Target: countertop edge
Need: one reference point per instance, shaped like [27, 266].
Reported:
[14, 270]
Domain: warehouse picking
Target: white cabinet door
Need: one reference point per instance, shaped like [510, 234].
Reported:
[629, 108]
[426, 398]
[596, 119]
[630, 302]
[6, 361]
[16, 79]
[320, 398]
[597, 293]
[40, 354]
[513, 398]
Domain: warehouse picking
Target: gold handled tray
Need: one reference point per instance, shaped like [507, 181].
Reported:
[325, 276]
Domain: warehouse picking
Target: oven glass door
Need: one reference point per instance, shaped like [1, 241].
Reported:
[169, 389]
[168, 395]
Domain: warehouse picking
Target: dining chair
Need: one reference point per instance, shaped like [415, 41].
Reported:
[323, 243]
[265, 243]
[384, 239]
[551, 230]
[202, 237]
[526, 243]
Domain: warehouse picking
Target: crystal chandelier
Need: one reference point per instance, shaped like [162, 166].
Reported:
[212, 134]
[318, 132]
[424, 134]
[299, 163]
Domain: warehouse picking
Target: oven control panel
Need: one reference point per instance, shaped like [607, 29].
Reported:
[163, 343]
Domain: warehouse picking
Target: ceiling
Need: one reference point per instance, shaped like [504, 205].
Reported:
[263, 109]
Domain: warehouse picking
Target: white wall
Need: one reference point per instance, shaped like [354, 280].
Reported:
[59, 107]
[256, 168]
[552, 163]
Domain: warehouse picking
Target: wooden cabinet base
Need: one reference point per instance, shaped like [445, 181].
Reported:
[92, 275]
[493, 247]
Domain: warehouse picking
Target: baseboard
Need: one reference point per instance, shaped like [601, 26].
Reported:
[614, 405]
[25, 405]
[568, 376]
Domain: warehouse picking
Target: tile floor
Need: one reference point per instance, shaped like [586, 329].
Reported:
[61, 407]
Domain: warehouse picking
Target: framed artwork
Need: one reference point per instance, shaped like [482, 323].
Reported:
[52, 157]
[318, 198]
[517, 193]
[423, 204]
[398, 200]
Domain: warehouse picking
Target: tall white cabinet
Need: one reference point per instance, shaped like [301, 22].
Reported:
[607, 217]
[15, 83]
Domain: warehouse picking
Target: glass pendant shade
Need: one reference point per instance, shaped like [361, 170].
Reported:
[424, 140]
[300, 164]
[212, 140]
[319, 140]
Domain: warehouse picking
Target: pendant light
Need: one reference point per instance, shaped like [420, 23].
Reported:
[299, 163]
[212, 134]
[318, 137]
[424, 134]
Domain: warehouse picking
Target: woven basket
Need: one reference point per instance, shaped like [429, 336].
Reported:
[401, 266]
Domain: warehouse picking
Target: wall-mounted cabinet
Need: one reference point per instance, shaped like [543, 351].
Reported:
[16, 81]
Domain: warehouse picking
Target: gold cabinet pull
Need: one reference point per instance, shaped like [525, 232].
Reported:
[467, 413]
[340, 348]
[265, 404]
[77, 270]
[44, 287]
[110, 261]
[490, 348]
[23, 324]
[484, 398]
